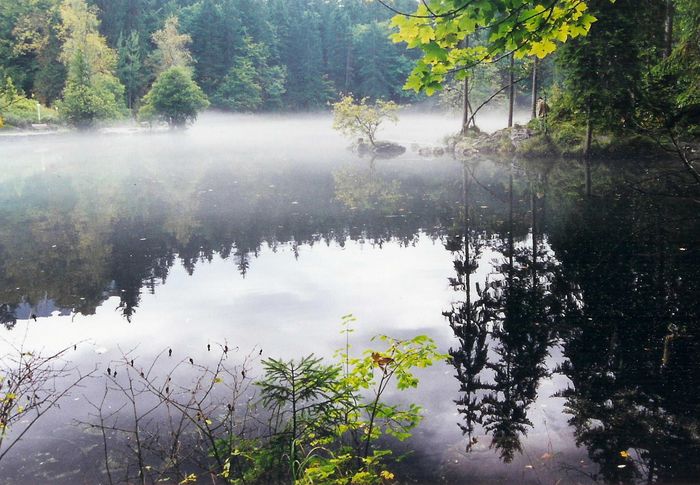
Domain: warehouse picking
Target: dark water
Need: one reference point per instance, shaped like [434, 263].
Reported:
[572, 321]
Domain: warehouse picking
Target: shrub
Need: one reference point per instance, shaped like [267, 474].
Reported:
[23, 112]
[567, 135]
[326, 427]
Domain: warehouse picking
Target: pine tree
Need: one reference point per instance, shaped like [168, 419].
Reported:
[130, 67]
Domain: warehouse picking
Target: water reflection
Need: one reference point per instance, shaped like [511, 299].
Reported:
[632, 348]
[611, 284]
[75, 247]
[504, 325]
[599, 291]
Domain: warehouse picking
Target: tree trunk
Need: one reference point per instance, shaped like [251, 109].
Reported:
[533, 209]
[465, 107]
[587, 148]
[348, 66]
[511, 90]
[467, 258]
[668, 29]
[511, 239]
[465, 100]
[535, 80]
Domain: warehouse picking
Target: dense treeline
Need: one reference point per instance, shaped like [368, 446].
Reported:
[637, 71]
[604, 67]
[247, 55]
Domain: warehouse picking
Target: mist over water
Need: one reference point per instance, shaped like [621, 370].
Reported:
[261, 232]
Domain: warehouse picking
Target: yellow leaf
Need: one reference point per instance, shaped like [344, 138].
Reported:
[543, 49]
[426, 34]
[386, 475]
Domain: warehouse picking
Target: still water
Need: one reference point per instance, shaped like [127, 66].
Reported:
[571, 320]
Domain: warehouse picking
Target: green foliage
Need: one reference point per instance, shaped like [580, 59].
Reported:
[23, 112]
[92, 91]
[362, 119]
[88, 98]
[80, 32]
[539, 146]
[381, 68]
[593, 71]
[171, 47]
[251, 84]
[325, 426]
[130, 67]
[307, 391]
[568, 135]
[671, 96]
[8, 94]
[174, 98]
[304, 52]
[16, 109]
[240, 90]
[525, 28]
[30, 46]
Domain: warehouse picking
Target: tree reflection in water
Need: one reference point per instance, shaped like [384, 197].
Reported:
[612, 279]
[620, 301]
[632, 349]
[505, 330]
[77, 237]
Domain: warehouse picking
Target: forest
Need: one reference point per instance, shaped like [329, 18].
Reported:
[247, 55]
[601, 66]
[504, 192]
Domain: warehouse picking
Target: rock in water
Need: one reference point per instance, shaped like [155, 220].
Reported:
[388, 149]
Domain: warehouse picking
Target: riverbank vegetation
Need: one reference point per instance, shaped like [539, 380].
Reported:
[179, 419]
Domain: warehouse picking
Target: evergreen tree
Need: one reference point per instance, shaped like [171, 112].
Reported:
[305, 55]
[174, 98]
[601, 70]
[130, 67]
[86, 99]
[382, 68]
[308, 86]
[216, 41]
[251, 84]
[240, 90]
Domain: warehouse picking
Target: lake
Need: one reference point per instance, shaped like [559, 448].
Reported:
[572, 321]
